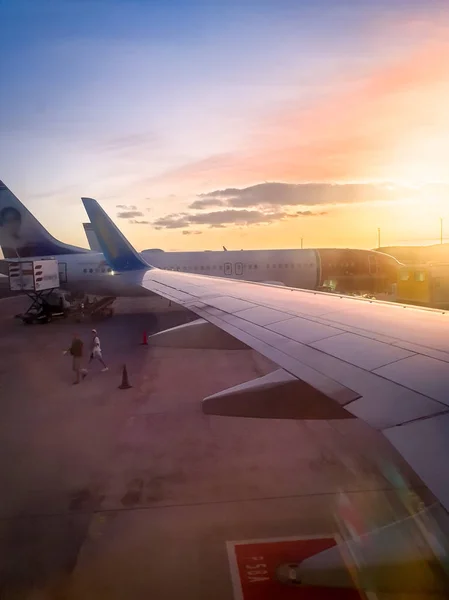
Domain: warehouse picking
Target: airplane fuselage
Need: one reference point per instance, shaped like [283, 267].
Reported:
[343, 269]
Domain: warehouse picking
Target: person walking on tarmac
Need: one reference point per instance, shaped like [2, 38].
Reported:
[96, 350]
[76, 351]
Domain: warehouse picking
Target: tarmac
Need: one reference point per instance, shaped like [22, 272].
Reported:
[136, 494]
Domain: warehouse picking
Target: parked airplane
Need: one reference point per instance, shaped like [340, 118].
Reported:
[384, 363]
[81, 270]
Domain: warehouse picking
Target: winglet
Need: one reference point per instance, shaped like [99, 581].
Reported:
[118, 252]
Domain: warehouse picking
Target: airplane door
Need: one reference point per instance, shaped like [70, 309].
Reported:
[238, 268]
[227, 269]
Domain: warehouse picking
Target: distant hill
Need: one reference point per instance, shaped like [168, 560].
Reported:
[438, 253]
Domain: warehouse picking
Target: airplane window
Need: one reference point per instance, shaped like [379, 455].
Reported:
[255, 266]
[221, 267]
[286, 266]
[84, 270]
[208, 268]
[268, 266]
[91, 270]
[109, 270]
[214, 267]
[280, 266]
[404, 275]
[250, 266]
[103, 270]
[274, 266]
[196, 268]
[202, 268]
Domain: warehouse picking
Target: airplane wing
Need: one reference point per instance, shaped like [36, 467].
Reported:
[384, 363]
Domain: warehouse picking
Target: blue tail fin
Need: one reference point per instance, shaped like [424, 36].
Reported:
[21, 234]
[119, 253]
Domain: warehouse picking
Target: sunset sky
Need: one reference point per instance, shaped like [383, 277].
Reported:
[238, 122]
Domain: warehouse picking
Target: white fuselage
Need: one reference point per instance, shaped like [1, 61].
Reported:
[90, 273]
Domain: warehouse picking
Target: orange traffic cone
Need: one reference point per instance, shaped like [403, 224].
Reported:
[144, 339]
[125, 385]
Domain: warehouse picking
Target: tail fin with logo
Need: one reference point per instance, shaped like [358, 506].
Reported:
[119, 253]
[21, 234]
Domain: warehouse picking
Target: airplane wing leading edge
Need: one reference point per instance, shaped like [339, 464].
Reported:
[384, 363]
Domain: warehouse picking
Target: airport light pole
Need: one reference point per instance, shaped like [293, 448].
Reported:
[378, 237]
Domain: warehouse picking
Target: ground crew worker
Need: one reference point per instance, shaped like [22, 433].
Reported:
[96, 350]
[76, 351]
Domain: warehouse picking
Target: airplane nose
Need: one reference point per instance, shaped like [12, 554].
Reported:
[389, 268]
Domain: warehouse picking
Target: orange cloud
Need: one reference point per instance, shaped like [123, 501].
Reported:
[390, 124]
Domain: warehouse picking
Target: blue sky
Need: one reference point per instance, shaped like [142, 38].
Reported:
[107, 98]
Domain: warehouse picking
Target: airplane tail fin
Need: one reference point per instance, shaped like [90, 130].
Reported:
[119, 253]
[21, 234]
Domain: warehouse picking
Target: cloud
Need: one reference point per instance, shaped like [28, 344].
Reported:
[222, 218]
[129, 214]
[306, 213]
[206, 202]
[270, 195]
[138, 222]
[269, 202]
[191, 232]
[126, 206]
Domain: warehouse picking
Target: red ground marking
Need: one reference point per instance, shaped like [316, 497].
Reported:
[254, 563]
